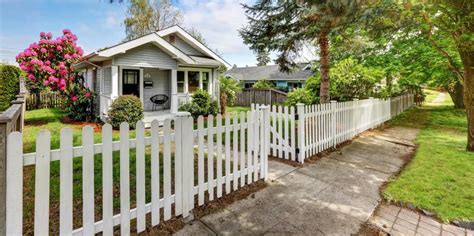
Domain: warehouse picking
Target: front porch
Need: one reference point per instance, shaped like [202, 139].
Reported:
[161, 116]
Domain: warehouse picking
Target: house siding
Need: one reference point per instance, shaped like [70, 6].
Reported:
[147, 55]
[96, 84]
[161, 85]
[185, 47]
[107, 87]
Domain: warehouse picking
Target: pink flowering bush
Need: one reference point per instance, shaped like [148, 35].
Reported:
[49, 66]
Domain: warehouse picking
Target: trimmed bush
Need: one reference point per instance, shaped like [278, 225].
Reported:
[201, 105]
[263, 84]
[127, 108]
[300, 95]
[9, 85]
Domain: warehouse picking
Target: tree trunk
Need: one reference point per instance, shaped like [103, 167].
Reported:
[223, 101]
[38, 99]
[457, 95]
[467, 58]
[324, 68]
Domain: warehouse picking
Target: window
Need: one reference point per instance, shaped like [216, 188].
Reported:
[180, 80]
[130, 77]
[205, 81]
[193, 81]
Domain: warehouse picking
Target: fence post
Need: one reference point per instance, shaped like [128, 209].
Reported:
[184, 132]
[333, 123]
[301, 135]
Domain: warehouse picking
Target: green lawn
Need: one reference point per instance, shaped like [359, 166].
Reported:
[237, 109]
[440, 178]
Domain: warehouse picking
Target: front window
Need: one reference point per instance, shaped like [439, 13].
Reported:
[205, 81]
[193, 81]
[180, 80]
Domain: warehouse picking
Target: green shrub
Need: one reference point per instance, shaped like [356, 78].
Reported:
[127, 108]
[263, 84]
[201, 105]
[301, 95]
[9, 85]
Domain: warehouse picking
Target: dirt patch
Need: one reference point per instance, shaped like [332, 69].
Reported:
[327, 152]
[371, 230]
[221, 203]
[97, 127]
[285, 161]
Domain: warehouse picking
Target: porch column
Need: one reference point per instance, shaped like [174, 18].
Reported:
[174, 91]
[115, 82]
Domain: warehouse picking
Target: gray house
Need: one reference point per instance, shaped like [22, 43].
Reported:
[169, 62]
[283, 81]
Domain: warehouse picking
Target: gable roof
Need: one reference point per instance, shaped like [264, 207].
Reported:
[192, 42]
[270, 72]
[156, 38]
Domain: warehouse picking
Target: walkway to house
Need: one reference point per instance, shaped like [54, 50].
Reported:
[334, 195]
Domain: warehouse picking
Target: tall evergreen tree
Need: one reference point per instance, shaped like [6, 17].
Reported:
[263, 58]
[284, 26]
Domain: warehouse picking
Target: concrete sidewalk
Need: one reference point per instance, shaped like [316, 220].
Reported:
[334, 195]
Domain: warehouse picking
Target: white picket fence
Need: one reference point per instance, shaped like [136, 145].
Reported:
[312, 129]
[240, 144]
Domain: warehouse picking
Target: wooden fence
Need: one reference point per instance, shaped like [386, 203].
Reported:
[237, 158]
[297, 134]
[46, 100]
[260, 96]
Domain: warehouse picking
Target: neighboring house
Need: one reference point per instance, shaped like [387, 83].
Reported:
[283, 81]
[169, 62]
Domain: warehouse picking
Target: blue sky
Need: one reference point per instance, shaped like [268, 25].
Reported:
[99, 24]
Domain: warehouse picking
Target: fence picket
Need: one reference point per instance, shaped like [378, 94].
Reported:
[107, 180]
[14, 176]
[155, 173]
[42, 175]
[210, 156]
[140, 176]
[219, 155]
[255, 145]
[66, 172]
[167, 169]
[200, 160]
[227, 152]
[242, 149]
[88, 180]
[235, 143]
[249, 145]
[124, 179]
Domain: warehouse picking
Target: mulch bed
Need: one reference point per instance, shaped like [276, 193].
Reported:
[97, 127]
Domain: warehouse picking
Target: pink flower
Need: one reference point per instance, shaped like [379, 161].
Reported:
[66, 31]
[43, 50]
[42, 34]
[31, 76]
[74, 98]
[59, 48]
[88, 94]
[46, 82]
[49, 35]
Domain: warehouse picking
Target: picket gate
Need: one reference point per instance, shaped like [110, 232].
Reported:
[310, 129]
[173, 147]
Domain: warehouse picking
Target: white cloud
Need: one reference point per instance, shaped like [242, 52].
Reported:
[112, 19]
[219, 22]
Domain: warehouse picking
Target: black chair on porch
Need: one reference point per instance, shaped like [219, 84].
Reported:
[159, 100]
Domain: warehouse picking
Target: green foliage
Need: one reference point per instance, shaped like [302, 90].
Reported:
[301, 95]
[263, 84]
[439, 178]
[263, 57]
[126, 108]
[350, 80]
[9, 85]
[200, 105]
[228, 89]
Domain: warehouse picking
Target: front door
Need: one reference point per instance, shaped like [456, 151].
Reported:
[131, 82]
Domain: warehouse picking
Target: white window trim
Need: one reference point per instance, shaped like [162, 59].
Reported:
[200, 70]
